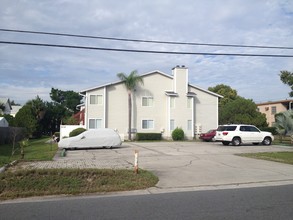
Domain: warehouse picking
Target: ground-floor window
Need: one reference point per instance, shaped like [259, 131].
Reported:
[172, 124]
[95, 123]
[147, 124]
[189, 125]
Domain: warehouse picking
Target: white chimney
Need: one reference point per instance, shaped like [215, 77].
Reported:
[180, 79]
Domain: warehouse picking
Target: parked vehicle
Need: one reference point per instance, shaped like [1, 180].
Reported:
[93, 138]
[208, 136]
[241, 133]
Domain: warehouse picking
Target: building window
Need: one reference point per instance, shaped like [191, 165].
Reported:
[172, 102]
[96, 99]
[147, 124]
[147, 101]
[95, 123]
[172, 124]
[189, 102]
[189, 125]
[274, 110]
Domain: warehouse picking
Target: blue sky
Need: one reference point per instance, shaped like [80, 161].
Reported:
[28, 71]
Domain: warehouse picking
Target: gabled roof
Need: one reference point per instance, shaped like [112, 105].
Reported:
[150, 73]
[204, 90]
[120, 81]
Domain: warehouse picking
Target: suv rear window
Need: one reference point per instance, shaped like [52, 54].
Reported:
[227, 128]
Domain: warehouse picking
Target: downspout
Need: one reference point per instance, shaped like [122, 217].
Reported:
[105, 106]
[169, 116]
[192, 117]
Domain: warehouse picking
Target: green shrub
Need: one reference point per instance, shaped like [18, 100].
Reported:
[76, 132]
[148, 136]
[178, 134]
[273, 130]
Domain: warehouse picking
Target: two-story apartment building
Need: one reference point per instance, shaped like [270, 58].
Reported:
[270, 109]
[162, 103]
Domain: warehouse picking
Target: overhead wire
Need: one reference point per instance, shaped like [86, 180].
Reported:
[146, 41]
[145, 51]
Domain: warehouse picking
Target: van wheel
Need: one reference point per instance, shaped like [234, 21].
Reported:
[267, 141]
[236, 141]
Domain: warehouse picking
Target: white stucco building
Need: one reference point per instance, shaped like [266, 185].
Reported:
[161, 104]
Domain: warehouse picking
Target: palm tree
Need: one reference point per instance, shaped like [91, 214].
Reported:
[130, 82]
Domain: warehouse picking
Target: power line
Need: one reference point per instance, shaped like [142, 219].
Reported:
[147, 41]
[144, 51]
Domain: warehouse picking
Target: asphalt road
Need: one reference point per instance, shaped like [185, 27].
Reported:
[248, 203]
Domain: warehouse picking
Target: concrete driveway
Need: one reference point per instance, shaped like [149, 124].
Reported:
[186, 165]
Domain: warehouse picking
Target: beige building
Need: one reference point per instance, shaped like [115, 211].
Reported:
[272, 108]
[161, 104]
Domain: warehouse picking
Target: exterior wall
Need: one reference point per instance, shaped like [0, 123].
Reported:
[117, 109]
[154, 86]
[206, 111]
[266, 108]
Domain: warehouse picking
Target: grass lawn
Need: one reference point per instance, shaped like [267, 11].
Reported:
[36, 150]
[283, 157]
[41, 182]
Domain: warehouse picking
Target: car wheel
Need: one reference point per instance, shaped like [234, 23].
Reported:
[236, 141]
[225, 142]
[267, 141]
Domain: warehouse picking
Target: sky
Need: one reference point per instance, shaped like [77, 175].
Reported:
[30, 71]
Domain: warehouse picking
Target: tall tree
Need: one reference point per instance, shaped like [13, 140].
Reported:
[226, 91]
[130, 82]
[25, 118]
[68, 99]
[287, 78]
[242, 111]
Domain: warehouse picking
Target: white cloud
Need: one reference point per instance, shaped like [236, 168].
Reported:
[29, 71]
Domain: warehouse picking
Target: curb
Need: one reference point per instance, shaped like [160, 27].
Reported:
[2, 169]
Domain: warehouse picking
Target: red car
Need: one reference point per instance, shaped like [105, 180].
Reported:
[209, 136]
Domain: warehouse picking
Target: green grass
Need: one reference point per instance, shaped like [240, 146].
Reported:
[36, 150]
[282, 157]
[42, 182]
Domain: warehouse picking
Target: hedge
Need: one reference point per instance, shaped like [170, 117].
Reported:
[148, 136]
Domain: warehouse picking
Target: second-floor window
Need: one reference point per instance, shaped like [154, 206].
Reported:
[274, 110]
[147, 101]
[96, 99]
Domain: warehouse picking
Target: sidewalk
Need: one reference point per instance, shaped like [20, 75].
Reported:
[183, 165]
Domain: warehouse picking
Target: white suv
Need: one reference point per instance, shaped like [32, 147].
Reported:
[240, 133]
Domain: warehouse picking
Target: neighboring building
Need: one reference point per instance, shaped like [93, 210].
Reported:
[5, 106]
[161, 104]
[3, 122]
[15, 109]
[272, 108]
